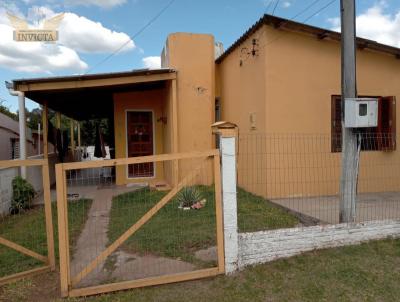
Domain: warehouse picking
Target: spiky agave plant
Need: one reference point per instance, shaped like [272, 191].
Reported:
[188, 197]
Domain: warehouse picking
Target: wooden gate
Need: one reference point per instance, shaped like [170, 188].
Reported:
[13, 242]
[71, 282]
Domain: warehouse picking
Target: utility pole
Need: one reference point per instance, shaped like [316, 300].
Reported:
[348, 181]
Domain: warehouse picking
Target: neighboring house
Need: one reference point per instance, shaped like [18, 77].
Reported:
[279, 77]
[9, 138]
[9, 149]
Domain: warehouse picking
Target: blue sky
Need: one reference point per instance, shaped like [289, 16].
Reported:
[225, 19]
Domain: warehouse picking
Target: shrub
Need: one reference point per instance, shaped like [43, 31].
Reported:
[23, 194]
[188, 196]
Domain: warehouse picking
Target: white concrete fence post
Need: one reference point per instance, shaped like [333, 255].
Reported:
[227, 141]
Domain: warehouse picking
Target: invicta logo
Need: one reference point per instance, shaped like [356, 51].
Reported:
[22, 32]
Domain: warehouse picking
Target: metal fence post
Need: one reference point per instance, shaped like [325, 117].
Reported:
[229, 198]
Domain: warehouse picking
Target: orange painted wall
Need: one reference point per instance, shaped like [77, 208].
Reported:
[192, 55]
[242, 86]
[168, 133]
[290, 86]
[138, 100]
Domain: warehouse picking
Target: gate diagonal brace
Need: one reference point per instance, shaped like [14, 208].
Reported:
[117, 243]
[22, 250]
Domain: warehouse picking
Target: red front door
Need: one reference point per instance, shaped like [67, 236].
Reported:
[140, 141]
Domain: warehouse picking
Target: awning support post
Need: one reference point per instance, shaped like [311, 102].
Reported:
[45, 116]
[22, 127]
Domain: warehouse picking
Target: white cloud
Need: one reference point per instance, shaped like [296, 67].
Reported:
[376, 25]
[286, 4]
[76, 35]
[8, 7]
[100, 3]
[335, 22]
[152, 62]
[85, 35]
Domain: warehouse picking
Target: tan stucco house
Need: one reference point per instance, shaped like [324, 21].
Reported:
[279, 77]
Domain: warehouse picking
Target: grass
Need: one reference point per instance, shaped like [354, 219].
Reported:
[176, 233]
[28, 229]
[171, 232]
[366, 272]
[257, 214]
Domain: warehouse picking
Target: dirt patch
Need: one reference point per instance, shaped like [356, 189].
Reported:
[41, 288]
[207, 255]
[130, 266]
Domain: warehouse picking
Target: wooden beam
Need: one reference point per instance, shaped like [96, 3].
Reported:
[72, 126]
[175, 141]
[322, 35]
[137, 160]
[21, 163]
[350, 155]
[79, 134]
[22, 275]
[62, 227]
[45, 116]
[362, 46]
[48, 215]
[136, 226]
[22, 250]
[278, 24]
[87, 83]
[180, 277]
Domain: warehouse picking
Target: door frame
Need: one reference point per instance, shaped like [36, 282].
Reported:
[154, 141]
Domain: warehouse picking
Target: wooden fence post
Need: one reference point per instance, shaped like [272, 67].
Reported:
[62, 230]
[48, 215]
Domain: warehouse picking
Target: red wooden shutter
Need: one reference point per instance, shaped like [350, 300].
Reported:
[387, 123]
[379, 136]
[336, 123]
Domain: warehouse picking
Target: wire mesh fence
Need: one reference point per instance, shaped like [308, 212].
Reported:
[25, 229]
[292, 180]
[124, 228]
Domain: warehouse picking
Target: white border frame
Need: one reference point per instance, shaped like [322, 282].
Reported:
[154, 142]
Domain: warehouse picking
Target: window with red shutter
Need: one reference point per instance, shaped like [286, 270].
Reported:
[381, 138]
[388, 123]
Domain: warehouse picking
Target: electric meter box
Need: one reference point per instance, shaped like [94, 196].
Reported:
[360, 112]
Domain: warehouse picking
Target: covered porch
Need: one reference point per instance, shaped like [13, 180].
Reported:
[140, 105]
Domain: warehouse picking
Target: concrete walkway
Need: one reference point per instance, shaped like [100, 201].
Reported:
[93, 238]
[370, 206]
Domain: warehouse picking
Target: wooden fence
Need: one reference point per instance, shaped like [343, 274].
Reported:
[70, 281]
[49, 259]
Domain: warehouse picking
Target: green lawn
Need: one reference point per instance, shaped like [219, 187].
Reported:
[28, 230]
[176, 233]
[367, 272]
[172, 232]
[257, 214]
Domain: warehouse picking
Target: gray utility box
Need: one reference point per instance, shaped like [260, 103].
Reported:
[360, 112]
